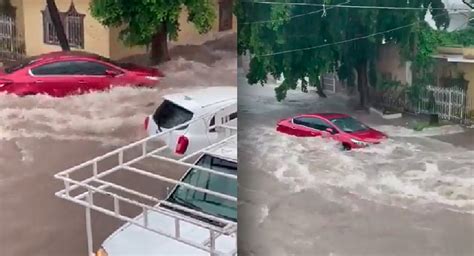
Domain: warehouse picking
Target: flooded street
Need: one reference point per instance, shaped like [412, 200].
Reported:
[413, 195]
[41, 136]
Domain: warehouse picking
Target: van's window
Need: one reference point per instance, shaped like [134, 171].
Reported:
[233, 116]
[212, 123]
[204, 202]
[169, 115]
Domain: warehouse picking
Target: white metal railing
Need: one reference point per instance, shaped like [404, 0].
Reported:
[95, 183]
[329, 82]
[450, 103]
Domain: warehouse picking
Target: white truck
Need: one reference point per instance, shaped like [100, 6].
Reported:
[198, 216]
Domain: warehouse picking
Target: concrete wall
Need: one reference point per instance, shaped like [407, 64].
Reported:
[117, 48]
[189, 35]
[96, 36]
[468, 69]
[390, 62]
[20, 18]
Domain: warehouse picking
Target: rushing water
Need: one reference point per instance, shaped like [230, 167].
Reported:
[40, 136]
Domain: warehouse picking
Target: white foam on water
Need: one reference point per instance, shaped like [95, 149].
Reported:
[264, 211]
[395, 172]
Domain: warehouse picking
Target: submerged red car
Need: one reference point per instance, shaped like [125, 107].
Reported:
[340, 127]
[60, 74]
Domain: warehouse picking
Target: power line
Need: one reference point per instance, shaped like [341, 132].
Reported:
[343, 41]
[356, 6]
[294, 16]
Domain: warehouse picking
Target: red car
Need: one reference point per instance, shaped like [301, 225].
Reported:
[343, 128]
[60, 74]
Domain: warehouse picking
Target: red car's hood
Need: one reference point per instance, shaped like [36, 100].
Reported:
[370, 136]
[148, 71]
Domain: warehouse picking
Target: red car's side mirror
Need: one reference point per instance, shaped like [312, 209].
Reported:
[330, 130]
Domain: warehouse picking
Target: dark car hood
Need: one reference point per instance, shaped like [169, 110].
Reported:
[370, 135]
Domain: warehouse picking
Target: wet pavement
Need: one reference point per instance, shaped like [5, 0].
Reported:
[41, 136]
[410, 196]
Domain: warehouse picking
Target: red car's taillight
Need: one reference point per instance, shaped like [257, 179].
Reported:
[147, 120]
[182, 145]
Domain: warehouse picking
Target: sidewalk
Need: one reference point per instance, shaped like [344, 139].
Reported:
[463, 139]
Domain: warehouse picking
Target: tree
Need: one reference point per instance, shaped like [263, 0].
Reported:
[58, 25]
[152, 21]
[323, 33]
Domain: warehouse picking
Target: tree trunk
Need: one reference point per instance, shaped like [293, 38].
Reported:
[320, 90]
[159, 46]
[58, 25]
[362, 84]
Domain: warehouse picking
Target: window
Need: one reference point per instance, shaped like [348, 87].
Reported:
[212, 123]
[55, 69]
[225, 15]
[349, 124]
[91, 68]
[169, 115]
[204, 202]
[73, 23]
[312, 122]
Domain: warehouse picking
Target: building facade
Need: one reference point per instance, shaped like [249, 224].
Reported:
[26, 28]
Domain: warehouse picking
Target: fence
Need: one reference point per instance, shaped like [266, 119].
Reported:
[11, 47]
[329, 82]
[449, 103]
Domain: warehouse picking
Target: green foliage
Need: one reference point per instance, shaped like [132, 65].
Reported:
[342, 34]
[143, 18]
[429, 40]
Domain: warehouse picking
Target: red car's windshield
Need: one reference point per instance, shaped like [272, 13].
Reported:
[349, 124]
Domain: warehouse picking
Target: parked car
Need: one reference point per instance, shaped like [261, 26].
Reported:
[340, 127]
[59, 74]
[213, 105]
[132, 239]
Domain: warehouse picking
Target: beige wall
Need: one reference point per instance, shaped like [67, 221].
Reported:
[189, 34]
[389, 62]
[118, 50]
[20, 18]
[96, 36]
[468, 69]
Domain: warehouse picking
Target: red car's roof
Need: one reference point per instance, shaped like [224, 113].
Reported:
[328, 115]
[61, 54]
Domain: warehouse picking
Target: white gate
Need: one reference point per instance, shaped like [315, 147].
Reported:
[329, 82]
[450, 103]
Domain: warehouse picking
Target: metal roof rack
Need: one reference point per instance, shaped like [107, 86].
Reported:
[82, 191]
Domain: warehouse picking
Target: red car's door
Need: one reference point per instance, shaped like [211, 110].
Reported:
[94, 76]
[304, 127]
[54, 78]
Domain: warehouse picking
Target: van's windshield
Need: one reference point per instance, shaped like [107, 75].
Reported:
[204, 202]
[169, 115]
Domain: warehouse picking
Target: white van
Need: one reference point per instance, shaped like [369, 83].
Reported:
[213, 105]
[132, 240]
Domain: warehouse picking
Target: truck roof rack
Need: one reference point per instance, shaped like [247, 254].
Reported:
[84, 182]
